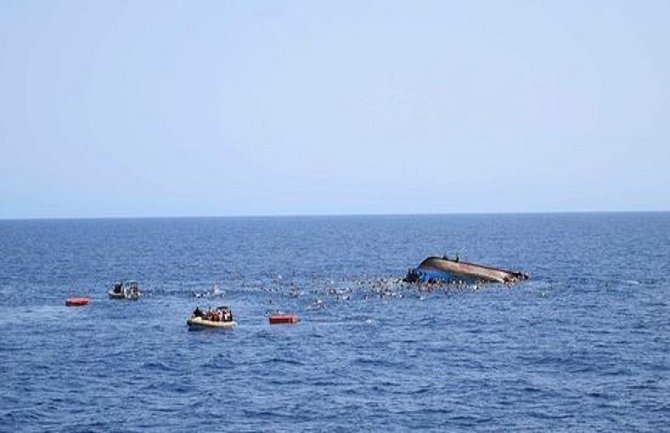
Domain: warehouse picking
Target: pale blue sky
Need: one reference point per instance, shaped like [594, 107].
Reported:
[165, 108]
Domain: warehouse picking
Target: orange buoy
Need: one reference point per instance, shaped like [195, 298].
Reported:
[283, 319]
[77, 302]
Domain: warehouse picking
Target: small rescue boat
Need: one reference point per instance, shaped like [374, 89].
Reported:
[283, 319]
[199, 322]
[221, 318]
[125, 290]
[77, 302]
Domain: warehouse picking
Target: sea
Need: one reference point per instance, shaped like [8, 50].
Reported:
[583, 345]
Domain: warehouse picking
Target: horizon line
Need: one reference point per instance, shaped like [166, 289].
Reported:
[323, 215]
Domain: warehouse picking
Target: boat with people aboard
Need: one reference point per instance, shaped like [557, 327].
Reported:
[125, 290]
[219, 317]
[455, 271]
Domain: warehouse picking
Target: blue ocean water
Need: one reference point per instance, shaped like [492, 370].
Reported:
[582, 346]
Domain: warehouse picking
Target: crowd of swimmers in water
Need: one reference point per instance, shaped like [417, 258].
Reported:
[348, 289]
[329, 292]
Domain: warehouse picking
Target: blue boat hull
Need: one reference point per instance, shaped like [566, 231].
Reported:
[426, 276]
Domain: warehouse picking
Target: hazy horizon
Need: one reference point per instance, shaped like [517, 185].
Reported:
[511, 213]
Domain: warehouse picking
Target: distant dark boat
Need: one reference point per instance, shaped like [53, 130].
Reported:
[125, 290]
[454, 270]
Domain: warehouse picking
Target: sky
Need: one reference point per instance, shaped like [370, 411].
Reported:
[216, 108]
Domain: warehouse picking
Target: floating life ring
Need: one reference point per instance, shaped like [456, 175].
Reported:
[77, 302]
[283, 319]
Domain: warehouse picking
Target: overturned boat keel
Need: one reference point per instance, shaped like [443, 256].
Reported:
[452, 271]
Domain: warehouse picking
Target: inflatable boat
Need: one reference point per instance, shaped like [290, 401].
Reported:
[125, 290]
[199, 322]
[283, 319]
[77, 302]
[221, 317]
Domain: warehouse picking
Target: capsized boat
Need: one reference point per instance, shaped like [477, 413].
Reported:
[125, 290]
[454, 270]
[221, 317]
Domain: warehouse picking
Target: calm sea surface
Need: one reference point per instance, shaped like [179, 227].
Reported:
[584, 345]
